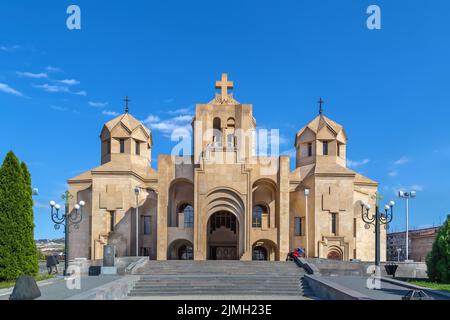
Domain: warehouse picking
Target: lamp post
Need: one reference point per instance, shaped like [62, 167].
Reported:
[306, 222]
[378, 218]
[66, 219]
[407, 195]
[137, 190]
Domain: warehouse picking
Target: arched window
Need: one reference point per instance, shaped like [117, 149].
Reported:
[217, 134]
[188, 212]
[257, 215]
[231, 140]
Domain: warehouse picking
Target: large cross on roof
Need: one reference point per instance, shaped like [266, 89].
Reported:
[224, 85]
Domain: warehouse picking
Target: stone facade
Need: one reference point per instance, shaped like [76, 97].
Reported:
[224, 201]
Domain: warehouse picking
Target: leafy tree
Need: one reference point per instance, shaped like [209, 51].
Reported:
[18, 255]
[438, 260]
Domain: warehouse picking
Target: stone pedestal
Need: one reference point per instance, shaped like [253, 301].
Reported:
[111, 271]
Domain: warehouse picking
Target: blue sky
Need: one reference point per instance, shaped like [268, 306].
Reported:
[390, 88]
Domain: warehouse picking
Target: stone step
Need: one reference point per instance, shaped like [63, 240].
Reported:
[171, 278]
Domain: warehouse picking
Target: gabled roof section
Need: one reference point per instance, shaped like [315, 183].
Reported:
[320, 122]
[129, 122]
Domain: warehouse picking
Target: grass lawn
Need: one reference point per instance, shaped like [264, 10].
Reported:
[39, 277]
[432, 285]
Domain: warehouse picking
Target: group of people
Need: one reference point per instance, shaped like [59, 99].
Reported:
[297, 253]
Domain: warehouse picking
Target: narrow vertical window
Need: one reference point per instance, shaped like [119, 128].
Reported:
[122, 145]
[298, 226]
[112, 221]
[325, 147]
[310, 149]
[138, 148]
[147, 225]
[339, 149]
[334, 223]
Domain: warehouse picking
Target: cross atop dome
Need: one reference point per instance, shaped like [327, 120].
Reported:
[224, 85]
[320, 102]
[127, 100]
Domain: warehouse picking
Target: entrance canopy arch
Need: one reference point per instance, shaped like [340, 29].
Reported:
[225, 224]
[264, 196]
[181, 195]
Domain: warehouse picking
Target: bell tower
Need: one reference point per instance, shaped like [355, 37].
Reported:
[224, 125]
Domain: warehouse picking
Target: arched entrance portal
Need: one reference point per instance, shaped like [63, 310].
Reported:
[180, 249]
[259, 253]
[334, 255]
[223, 236]
[264, 250]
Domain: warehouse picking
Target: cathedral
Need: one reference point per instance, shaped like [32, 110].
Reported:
[224, 201]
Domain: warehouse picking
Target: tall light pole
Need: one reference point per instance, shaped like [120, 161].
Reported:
[306, 222]
[407, 195]
[378, 218]
[66, 219]
[136, 192]
[398, 254]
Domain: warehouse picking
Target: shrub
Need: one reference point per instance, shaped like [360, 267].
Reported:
[438, 260]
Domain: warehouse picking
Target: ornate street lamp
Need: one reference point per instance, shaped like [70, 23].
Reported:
[377, 218]
[67, 219]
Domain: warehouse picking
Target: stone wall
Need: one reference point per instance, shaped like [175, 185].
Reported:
[416, 270]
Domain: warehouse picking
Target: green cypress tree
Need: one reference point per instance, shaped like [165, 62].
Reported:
[438, 260]
[12, 193]
[16, 222]
[30, 263]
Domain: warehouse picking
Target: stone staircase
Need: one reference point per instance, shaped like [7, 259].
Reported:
[220, 278]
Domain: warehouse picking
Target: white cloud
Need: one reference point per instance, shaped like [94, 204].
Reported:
[80, 93]
[355, 164]
[110, 113]
[180, 124]
[401, 161]
[64, 109]
[393, 173]
[187, 110]
[69, 82]
[151, 119]
[9, 49]
[98, 104]
[57, 88]
[32, 75]
[7, 89]
[53, 69]
[169, 100]
[185, 118]
[52, 88]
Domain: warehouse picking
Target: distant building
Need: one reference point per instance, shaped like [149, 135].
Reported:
[420, 243]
